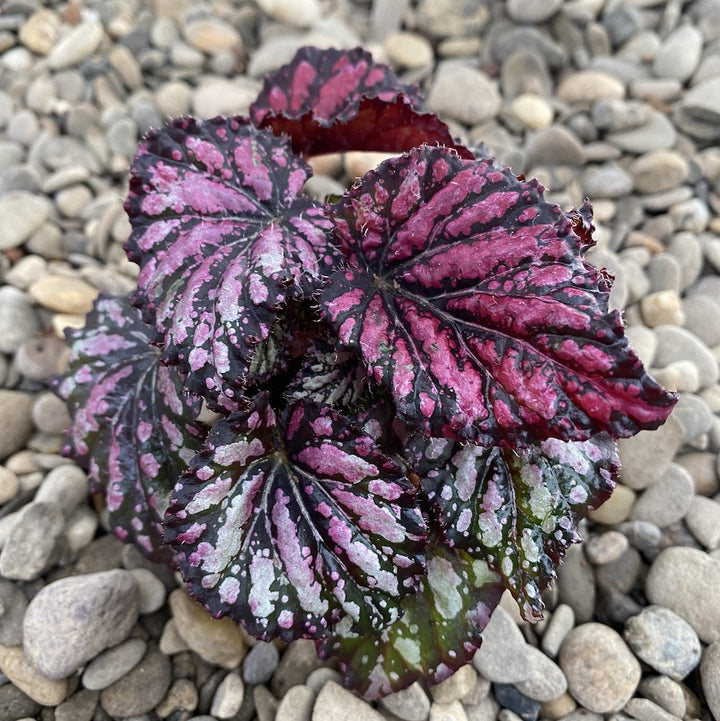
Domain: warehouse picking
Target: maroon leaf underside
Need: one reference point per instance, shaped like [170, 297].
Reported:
[285, 525]
[223, 241]
[133, 423]
[335, 100]
[467, 297]
[438, 633]
[518, 509]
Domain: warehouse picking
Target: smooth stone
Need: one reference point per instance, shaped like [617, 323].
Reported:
[211, 34]
[50, 414]
[605, 547]
[40, 32]
[151, 591]
[73, 200]
[80, 43]
[39, 359]
[23, 213]
[643, 709]
[141, 689]
[30, 546]
[546, 681]
[692, 215]
[14, 603]
[576, 584]
[664, 273]
[532, 11]
[665, 692]
[440, 18]
[621, 574]
[646, 456]
[220, 96]
[534, 111]
[701, 466]
[658, 133]
[182, 696]
[703, 101]
[463, 94]
[659, 170]
[561, 623]
[217, 640]
[170, 641]
[585, 87]
[408, 50]
[320, 676]
[643, 341]
[667, 500]
[9, 486]
[680, 344]
[607, 181]
[601, 671]
[514, 704]
[296, 704]
[694, 416]
[679, 54]
[455, 687]
[15, 704]
[702, 318]
[15, 665]
[525, 71]
[88, 613]
[334, 703]
[502, 656]
[410, 704]
[65, 486]
[687, 581]
[229, 697]
[79, 707]
[662, 307]
[173, 98]
[703, 521]
[63, 293]
[260, 663]
[664, 641]
[296, 664]
[18, 319]
[111, 665]
[681, 376]
[298, 13]
[508, 39]
[710, 677]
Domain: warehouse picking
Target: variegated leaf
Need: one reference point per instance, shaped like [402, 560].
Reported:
[223, 240]
[438, 632]
[285, 524]
[133, 422]
[519, 509]
[333, 100]
[468, 299]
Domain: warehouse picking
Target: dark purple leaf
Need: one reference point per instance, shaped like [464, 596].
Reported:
[133, 423]
[286, 524]
[223, 241]
[467, 297]
[519, 509]
[438, 632]
[333, 100]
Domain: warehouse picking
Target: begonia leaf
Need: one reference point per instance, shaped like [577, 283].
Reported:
[133, 423]
[334, 100]
[438, 632]
[223, 240]
[467, 297]
[286, 522]
[518, 509]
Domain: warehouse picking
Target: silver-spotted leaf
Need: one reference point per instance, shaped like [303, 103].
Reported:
[223, 240]
[468, 298]
[519, 509]
[438, 632]
[285, 524]
[133, 422]
[333, 100]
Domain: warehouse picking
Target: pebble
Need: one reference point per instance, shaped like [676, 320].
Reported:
[63, 294]
[79, 707]
[605, 547]
[664, 641]
[30, 545]
[260, 663]
[88, 613]
[217, 640]
[667, 500]
[534, 111]
[665, 692]
[555, 145]
[676, 343]
[40, 32]
[296, 664]
[229, 697]
[447, 712]
[80, 43]
[298, 13]
[656, 134]
[65, 486]
[576, 584]
[659, 170]
[679, 54]
[601, 671]
[111, 665]
[703, 521]
[181, 696]
[616, 509]
[408, 50]
[607, 181]
[533, 11]
[560, 624]
[15, 665]
[456, 686]
[687, 581]
[702, 318]
[586, 87]
[645, 710]
[141, 689]
[410, 704]
[151, 591]
[334, 703]
[463, 94]
[546, 681]
[646, 456]
[23, 213]
[211, 35]
[13, 602]
[18, 319]
[710, 677]
[501, 657]
[296, 704]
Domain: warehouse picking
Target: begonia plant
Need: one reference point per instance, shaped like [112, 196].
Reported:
[416, 386]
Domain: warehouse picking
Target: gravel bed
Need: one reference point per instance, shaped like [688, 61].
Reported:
[618, 100]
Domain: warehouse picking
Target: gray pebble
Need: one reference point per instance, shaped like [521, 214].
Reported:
[703, 520]
[576, 584]
[501, 657]
[463, 93]
[456, 686]
[15, 705]
[111, 665]
[665, 692]
[687, 581]
[151, 591]
[18, 319]
[296, 704]
[87, 614]
[410, 704]
[621, 574]
[79, 707]
[22, 213]
[13, 603]
[77, 45]
[679, 54]
[229, 696]
[607, 181]
[710, 677]
[664, 641]
[334, 703]
[560, 624]
[644, 709]
[555, 145]
[66, 486]
[605, 547]
[693, 415]
[31, 543]
[657, 134]
[667, 500]
[659, 170]
[702, 318]
[546, 681]
[260, 663]
[665, 273]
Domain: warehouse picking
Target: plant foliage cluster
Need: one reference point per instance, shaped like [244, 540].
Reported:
[416, 385]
